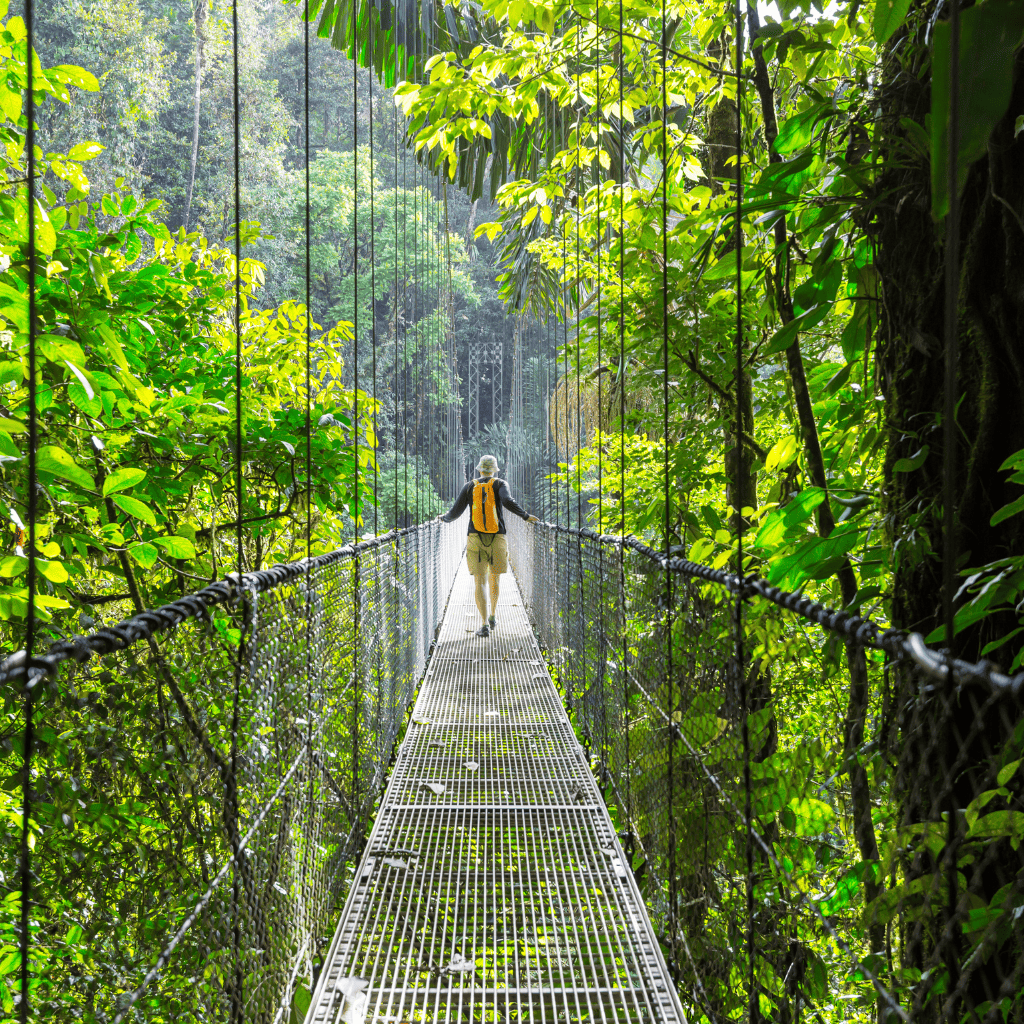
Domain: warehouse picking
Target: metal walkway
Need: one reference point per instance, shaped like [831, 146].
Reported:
[493, 887]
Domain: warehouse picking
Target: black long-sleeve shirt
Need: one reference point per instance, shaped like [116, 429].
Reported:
[502, 497]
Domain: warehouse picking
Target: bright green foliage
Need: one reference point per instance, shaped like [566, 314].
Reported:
[136, 363]
[618, 207]
[135, 407]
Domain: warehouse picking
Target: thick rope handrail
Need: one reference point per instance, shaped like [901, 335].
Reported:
[898, 644]
[145, 623]
[894, 642]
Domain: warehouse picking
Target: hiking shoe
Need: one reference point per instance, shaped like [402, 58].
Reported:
[492, 624]
[483, 631]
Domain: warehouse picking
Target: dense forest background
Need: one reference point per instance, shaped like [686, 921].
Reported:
[584, 213]
[164, 117]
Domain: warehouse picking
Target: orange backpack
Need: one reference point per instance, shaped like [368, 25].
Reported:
[485, 508]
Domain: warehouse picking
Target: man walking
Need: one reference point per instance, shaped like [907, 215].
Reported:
[486, 547]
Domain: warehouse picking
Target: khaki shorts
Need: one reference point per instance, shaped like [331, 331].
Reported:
[488, 551]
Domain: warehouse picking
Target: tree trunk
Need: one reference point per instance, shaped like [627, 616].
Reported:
[859, 693]
[943, 734]
[741, 477]
[910, 256]
[201, 12]
[470, 223]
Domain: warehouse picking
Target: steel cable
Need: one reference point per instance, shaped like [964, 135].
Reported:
[28, 678]
[231, 802]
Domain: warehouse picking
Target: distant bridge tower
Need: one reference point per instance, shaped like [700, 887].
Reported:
[486, 359]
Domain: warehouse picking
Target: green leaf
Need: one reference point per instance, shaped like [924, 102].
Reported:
[177, 547]
[72, 75]
[1012, 461]
[85, 151]
[990, 34]
[122, 479]
[789, 176]
[725, 268]
[1007, 772]
[53, 571]
[82, 377]
[782, 521]
[145, 554]
[815, 558]
[994, 645]
[889, 15]
[812, 816]
[1007, 511]
[785, 337]
[134, 508]
[782, 454]
[92, 406]
[14, 307]
[916, 461]
[51, 459]
[999, 824]
[700, 730]
[797, 130]
[821, 287]
[13, 565]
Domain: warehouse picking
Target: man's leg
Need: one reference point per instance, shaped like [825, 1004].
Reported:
[495, 584]
[481, 596]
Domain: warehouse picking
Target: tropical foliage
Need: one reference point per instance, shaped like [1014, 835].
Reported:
[747, 362]
[738, 233]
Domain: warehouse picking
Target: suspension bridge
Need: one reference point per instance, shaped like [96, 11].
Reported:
[315, 796]
[380, 847]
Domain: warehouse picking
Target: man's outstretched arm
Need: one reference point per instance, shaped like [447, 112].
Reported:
[512, 505]
[460, 506]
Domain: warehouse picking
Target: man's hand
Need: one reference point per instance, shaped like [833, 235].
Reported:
[532, 519]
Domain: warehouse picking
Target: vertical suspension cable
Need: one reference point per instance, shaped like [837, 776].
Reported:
[952, 295]
[308, 426]
[600, 242]
[397, 383]
[452, 374]
[405, 327]
[356, 409]
[373, 285]
[417, 315]
[579, 287]
[667, 496]
[28, 697]
[949, 441]
[754, 1005]
[233, 809]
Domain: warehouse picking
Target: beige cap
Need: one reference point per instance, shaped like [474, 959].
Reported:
[487, 464]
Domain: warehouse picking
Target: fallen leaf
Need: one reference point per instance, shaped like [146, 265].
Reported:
[352, 993]
[460, 965]
[434, 787]
[471, 765]
[394, 862]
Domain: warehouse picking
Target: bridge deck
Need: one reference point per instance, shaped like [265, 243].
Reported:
[505, 896]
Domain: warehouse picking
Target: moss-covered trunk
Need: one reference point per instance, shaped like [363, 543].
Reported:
[951, 741]
[910, 253]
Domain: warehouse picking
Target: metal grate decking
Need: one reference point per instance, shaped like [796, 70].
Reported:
[493, 887]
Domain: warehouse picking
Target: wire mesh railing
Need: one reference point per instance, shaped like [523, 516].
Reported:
[881, 876]
[230, 748]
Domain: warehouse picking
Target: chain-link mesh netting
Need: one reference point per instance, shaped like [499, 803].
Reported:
[882, 877]
[231, 748]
